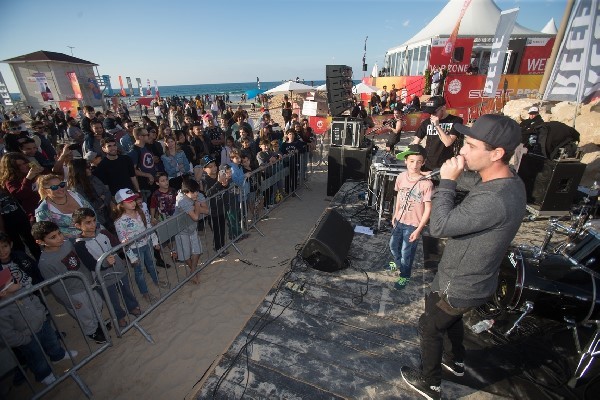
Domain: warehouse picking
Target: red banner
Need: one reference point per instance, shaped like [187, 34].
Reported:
[450, 43]
[70, 105]
[75, 85]
[462, 55]
[122, 89]
[319, 125]
[536, 54]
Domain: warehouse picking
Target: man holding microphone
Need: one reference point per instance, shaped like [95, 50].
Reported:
[439, 131]
[479, 231]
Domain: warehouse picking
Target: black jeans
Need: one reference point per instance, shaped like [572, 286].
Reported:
[440, 327]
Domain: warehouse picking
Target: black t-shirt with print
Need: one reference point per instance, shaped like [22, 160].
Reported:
[437, 152]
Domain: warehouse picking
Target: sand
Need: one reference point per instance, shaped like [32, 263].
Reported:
[198, 323]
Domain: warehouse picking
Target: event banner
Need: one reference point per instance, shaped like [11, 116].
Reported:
[5, 99]
[577, 67]
[461, 58]
[156, 92]
[75, 85]
[42, 82]
[499, 46]
[148, 90]
[535, 55]
[107, 85]
[139, 84]
[128, 79]
[450, 43]
[93, 85]
[122, 89]
[69, 105]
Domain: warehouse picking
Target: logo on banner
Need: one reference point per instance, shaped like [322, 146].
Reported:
[320, 124]
[454, 86]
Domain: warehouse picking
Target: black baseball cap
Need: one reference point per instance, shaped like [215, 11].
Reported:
[495, 130]
[433, 104]
[411, 151]
[206, 160]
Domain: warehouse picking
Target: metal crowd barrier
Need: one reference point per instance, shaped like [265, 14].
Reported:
[66, 342]
[233, 212]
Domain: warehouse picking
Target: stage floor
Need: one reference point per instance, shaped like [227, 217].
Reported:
[349, 333]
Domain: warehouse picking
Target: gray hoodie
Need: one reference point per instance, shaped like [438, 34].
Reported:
[479, 229]
[90, 250]
[13, 323]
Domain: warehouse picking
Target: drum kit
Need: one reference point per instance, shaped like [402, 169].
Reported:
[560, 282]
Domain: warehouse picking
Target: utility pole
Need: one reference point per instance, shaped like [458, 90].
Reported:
[71, 47]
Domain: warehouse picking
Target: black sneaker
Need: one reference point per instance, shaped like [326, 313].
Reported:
[98, 337]
[457, 368]
[413, 378]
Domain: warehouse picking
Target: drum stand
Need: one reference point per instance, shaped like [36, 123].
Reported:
[527, 308]
[592, 350]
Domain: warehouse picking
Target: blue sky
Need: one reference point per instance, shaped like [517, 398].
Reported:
[181, 42]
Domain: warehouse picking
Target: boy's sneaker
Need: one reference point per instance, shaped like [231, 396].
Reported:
[98, 336]
[73, 354]
[49, 379]
[413, 378]
[457, 368]
[401, 283]
[391, 268]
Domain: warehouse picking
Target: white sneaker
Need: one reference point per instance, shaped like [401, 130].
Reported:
[73, 354]
[49, 379]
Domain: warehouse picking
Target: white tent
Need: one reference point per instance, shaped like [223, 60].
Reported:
[364, 88]
[550, 27]
[481, 19]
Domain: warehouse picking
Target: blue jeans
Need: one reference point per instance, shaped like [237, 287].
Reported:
[403, 250]
[130, 301]
[34, 355]
[144, 258]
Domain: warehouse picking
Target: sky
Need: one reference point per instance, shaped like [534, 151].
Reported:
[221, 41]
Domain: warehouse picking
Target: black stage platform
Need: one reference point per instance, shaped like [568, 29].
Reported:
[349, 333]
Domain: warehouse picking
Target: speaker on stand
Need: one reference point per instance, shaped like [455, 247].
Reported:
[328, 245]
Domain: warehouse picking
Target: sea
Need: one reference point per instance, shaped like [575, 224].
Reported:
[235, 90]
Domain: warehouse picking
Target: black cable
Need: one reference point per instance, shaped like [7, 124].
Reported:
[356, 300]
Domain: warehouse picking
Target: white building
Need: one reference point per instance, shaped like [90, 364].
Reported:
[44, 78]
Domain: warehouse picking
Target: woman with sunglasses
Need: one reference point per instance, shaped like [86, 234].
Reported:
[81, 180]
[58, 204]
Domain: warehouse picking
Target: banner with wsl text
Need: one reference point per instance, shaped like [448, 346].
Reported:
[576, 72]
[452, 40]
[75, 85]
[139, 84]
[129, 86]
[5, 99]
[107, 85]
[499, 46]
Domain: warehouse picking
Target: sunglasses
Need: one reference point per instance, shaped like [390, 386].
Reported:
[56, 187]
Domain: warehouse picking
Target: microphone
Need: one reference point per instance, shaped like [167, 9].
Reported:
[434, 173]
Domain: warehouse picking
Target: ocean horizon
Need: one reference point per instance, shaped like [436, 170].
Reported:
[234, 89]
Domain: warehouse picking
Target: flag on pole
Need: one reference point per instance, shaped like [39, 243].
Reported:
[156, 92]
[258, 82]
[576, 70]
[148, 90]
[505, 27]
[452, 40]
[122, 89]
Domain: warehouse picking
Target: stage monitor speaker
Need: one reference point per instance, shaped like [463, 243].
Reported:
[550, 185]
[327, 247]
[346, 163]
[351, 136]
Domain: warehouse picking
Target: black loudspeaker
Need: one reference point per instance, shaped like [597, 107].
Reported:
[351, 136]
[338, 79]
[328, 245]
[550, 184]
[346, 163]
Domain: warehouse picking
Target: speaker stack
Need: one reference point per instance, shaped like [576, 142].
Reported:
[327, 247]
[338, 79]
[550, 185]
[346, 163]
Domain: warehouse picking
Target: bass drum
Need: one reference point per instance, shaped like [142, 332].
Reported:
[557, 289]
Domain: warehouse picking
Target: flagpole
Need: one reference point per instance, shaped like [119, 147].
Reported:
[557, 42]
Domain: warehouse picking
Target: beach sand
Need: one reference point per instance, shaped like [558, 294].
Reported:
[198, 323]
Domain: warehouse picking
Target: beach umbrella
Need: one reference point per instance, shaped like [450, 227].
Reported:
[253, 93]
[321, 88]
[364, 88]
[291, 86]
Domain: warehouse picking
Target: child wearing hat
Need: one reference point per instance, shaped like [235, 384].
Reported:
[411, 212]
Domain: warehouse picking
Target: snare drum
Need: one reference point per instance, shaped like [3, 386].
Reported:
[558, 289]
